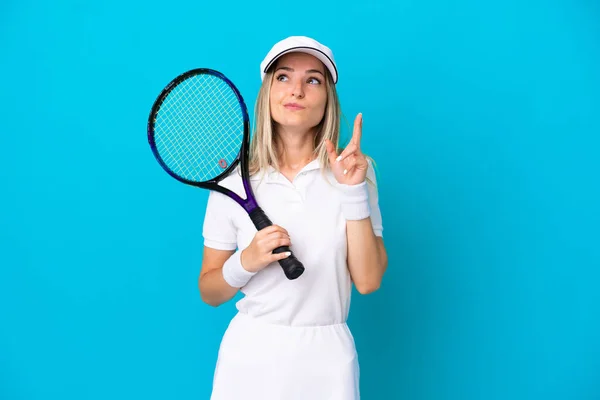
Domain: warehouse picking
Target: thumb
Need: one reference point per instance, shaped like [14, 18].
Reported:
[330, 150]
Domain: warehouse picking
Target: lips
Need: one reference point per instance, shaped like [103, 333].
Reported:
[293, 106]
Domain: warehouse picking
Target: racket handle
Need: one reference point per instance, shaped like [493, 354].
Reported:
[292, 268]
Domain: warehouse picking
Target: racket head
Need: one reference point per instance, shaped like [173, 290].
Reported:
[198, 128]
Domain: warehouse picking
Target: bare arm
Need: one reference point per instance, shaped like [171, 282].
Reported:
[367, 257]
[213, 288]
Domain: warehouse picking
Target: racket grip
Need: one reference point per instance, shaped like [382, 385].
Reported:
[292, 268]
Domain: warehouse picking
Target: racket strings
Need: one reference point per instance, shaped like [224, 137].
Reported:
[199, 128]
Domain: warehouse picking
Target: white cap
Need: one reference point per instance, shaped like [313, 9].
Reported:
[300, 44]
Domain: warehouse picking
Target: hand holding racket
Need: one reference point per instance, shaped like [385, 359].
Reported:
[198, 130]
[259, 252]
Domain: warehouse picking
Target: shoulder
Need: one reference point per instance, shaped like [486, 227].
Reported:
[234, 182]
[231, 181]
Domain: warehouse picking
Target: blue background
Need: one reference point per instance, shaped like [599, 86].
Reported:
[483, 118]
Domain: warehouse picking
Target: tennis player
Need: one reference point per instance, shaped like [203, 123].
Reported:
[289, 339]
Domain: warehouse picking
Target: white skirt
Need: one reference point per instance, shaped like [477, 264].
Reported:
[263, 361]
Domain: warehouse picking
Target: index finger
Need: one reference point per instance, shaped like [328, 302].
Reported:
[357, 133]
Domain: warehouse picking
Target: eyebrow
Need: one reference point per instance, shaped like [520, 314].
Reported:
[307, 71]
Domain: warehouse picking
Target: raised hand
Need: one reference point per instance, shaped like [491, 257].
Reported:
[350, 166]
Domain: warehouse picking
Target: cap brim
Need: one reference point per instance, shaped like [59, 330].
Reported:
[313, 52]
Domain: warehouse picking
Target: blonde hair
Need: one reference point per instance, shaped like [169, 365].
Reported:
[263, 146]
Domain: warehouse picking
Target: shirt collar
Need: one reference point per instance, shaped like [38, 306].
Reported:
[272, 175]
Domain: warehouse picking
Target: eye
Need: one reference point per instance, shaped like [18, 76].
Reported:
[314, 81]
[281, 77]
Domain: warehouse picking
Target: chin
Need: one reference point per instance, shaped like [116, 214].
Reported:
[296, 125]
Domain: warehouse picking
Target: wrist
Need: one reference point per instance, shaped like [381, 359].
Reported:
[247, 266]
[234, 272]
[354, 201]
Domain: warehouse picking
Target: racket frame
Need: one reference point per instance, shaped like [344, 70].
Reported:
[291, 266]
[249, 204]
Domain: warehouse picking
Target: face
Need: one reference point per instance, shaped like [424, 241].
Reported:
[298, 93]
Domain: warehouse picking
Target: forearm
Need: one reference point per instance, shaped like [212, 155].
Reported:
[214, 290]
[367, 258]
[222, 275]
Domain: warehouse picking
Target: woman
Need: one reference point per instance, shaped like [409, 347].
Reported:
[289, 339]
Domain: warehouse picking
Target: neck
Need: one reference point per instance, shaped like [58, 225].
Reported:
[295, 149]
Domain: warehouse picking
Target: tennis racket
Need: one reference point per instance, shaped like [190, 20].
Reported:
[198, 130]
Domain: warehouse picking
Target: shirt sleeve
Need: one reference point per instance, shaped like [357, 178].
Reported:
[376, 219]
[219, 231]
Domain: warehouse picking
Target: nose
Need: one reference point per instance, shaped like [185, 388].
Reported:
[298, 90]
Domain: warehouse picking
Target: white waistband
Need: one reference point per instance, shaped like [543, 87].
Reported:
[242, 316]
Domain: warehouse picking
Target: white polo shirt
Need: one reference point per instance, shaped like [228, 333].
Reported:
[310, 210]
